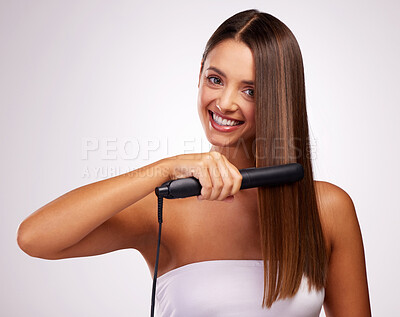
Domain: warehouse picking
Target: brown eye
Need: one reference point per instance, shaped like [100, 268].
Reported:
[211, 79]
[251, 94]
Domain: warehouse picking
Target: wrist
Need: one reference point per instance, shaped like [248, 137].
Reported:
[166, 167]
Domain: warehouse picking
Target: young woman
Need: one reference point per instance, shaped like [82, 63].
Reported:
[270, 251]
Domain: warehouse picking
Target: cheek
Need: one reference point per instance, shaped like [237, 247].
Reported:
[250, 114]
[201, 102]
[204, 97]
[253, 116]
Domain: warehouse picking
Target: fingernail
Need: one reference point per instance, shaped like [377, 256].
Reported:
[199, 197]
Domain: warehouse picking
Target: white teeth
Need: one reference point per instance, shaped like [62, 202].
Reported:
[221, 121]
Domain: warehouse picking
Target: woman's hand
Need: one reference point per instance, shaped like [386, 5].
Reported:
[219, 178]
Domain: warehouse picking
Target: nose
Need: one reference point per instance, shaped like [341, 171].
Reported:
[227, 100]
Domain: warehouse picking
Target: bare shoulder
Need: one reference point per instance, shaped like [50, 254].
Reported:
[335, 206]
[346, 292]
[331, 193]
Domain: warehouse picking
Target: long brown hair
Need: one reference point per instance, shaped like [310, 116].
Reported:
[291, 234]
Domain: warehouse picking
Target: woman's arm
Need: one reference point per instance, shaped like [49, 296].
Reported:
[346, 293]
[97, 218]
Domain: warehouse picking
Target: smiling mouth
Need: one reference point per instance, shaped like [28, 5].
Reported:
[224, 122]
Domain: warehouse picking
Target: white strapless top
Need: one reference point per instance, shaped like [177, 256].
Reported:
[227, 288]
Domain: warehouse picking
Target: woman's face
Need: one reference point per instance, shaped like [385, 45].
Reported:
[226, 88]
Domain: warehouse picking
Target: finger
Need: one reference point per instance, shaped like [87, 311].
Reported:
[215, 173]
[226, 178]
[216, 179]
[236, 176]
[205, 182]
[229, 199]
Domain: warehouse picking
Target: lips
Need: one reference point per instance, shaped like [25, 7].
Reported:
[224, 117]
[220, 128]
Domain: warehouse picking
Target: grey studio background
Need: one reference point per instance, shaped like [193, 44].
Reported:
[92, 89]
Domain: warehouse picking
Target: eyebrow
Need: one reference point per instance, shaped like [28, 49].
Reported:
[248, 82]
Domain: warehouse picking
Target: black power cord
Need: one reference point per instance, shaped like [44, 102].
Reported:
[161, 192]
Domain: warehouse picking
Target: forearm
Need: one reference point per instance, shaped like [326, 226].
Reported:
[69, 218]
